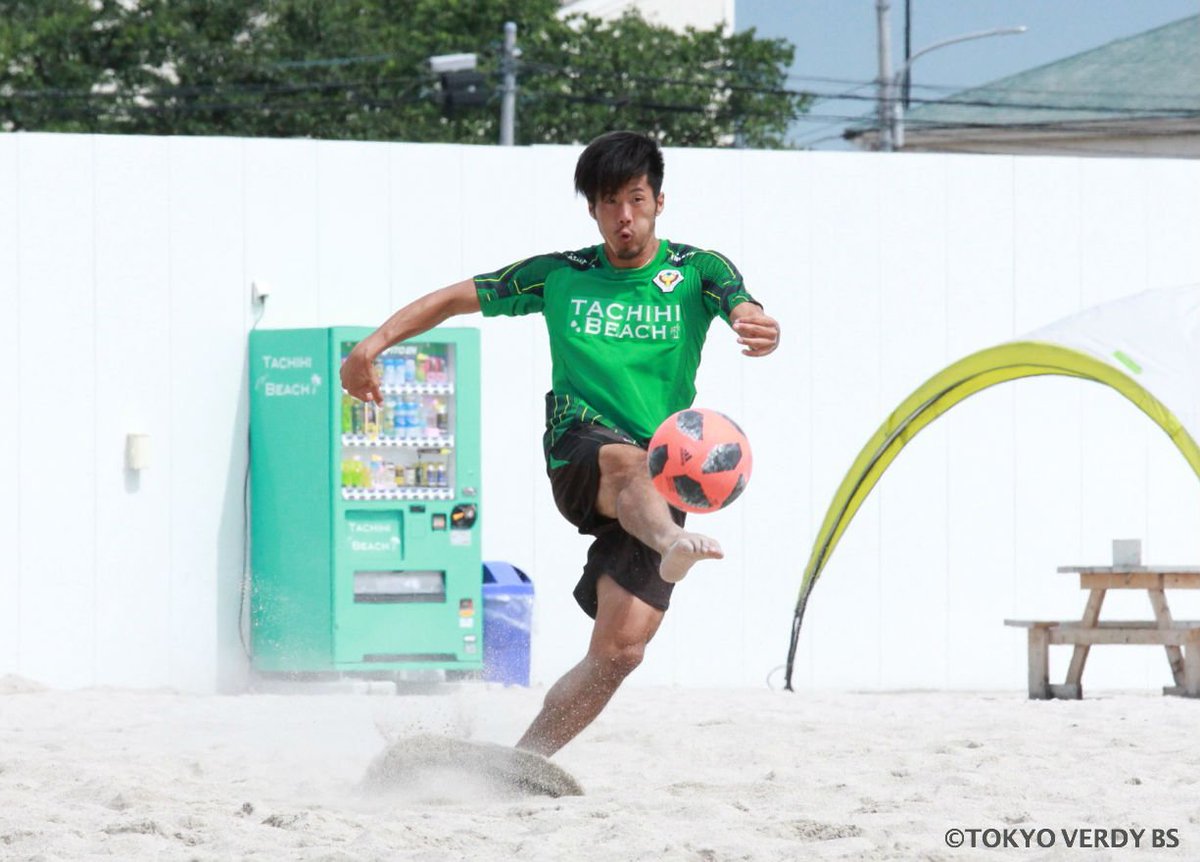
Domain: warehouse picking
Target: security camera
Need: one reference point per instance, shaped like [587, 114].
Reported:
[445, 63]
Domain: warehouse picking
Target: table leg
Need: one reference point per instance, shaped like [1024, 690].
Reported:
[1091, 613]
[1158, 601]
[1039, 663]
[1191, 670]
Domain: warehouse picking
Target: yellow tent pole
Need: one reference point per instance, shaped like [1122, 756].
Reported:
[1000, 364]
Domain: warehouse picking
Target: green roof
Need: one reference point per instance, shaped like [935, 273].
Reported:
[1155, 74]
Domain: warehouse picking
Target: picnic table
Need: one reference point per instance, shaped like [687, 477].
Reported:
[1180, 638]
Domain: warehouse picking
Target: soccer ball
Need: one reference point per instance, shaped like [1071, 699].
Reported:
[699, 460]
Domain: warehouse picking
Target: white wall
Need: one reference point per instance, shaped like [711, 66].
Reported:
[125, 266]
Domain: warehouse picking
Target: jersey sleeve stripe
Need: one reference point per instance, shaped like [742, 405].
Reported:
[732, 269]
[503, 274]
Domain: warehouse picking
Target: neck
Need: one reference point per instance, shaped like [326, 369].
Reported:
[642, 259]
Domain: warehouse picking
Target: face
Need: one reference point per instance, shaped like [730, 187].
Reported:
[626, 221]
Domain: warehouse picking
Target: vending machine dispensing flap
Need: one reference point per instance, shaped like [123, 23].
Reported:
[396, 587]
[462, 516]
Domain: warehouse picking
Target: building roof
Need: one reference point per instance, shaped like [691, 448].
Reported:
[1151, 74]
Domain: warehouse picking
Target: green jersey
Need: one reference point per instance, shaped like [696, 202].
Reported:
[624, 343]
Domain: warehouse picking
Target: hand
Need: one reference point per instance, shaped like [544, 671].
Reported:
[358, 376]
[758, 332]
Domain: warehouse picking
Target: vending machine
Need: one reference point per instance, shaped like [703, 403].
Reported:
[365, 538]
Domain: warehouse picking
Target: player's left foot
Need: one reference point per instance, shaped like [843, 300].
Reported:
[685, 552]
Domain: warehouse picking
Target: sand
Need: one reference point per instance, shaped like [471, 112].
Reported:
[667, 774]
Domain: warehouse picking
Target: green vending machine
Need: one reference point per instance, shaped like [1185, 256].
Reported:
[365, 539]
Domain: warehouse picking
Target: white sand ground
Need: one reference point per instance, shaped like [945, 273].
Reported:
[669, 773]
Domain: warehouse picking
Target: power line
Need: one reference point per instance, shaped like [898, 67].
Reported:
[635, 101]
[332, 61]
[1104, 125]
[174, 91]
[162, 100]
[851, 95]
[266, 110]
[715, 81]
[968, 88]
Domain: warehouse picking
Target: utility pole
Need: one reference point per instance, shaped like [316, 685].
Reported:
[900, 82]
[883, 102]
[508, 93]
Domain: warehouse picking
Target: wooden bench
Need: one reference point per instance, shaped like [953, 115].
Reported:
[1185, 666]
[1180, 638]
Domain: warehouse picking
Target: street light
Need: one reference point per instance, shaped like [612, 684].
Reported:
[898, 80]
[463, 86]
[444, 64]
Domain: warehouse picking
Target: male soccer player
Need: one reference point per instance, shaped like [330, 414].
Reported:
[627, 320]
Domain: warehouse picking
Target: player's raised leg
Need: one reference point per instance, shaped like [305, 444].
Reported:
[624, 625]
[627, 494]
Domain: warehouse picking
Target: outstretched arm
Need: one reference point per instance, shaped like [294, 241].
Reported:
[358, 371]
[754, 329]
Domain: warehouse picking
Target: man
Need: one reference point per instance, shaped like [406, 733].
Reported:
[627, 321]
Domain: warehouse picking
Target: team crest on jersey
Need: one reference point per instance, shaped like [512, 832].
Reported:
[667, 279]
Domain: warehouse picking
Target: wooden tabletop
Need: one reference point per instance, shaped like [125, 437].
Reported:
[1129, 570]
[1136, 577]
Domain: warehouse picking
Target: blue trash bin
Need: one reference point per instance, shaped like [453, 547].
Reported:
[507, 622]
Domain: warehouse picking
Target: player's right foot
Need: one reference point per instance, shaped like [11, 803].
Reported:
[685, 552]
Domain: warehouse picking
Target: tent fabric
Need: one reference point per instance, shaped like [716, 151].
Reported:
[1142, 346]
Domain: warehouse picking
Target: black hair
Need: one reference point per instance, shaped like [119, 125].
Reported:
[615, 158]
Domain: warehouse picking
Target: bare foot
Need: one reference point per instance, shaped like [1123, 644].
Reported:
[685, 552]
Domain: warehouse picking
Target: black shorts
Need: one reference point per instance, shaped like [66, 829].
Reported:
[574, 469]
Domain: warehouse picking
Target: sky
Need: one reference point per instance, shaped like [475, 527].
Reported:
[837, 46]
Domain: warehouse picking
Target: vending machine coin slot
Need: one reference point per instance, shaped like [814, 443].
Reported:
[462, 516]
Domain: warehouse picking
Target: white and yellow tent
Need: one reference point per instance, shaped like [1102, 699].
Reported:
[1147, 347]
